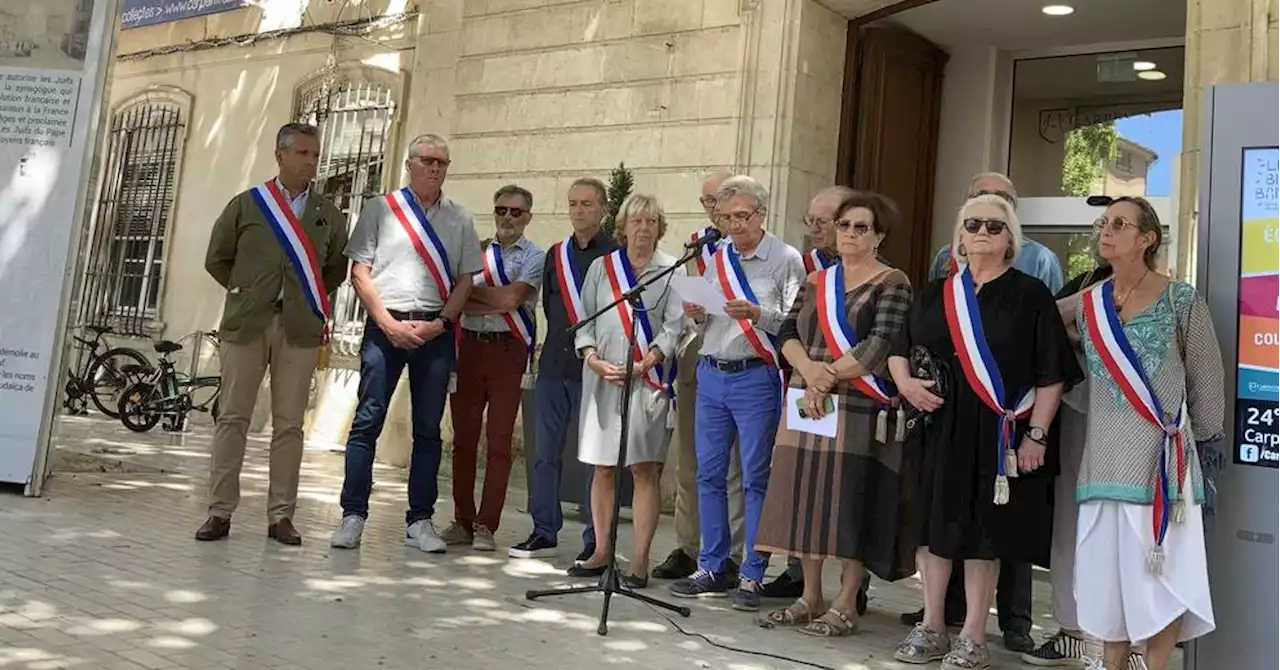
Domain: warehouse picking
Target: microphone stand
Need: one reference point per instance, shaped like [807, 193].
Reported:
[610, 584]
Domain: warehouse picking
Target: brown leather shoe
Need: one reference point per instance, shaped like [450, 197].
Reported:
[214, 528]
[283, 532]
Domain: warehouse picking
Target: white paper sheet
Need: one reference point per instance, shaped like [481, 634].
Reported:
[699, 291]
[826, 426]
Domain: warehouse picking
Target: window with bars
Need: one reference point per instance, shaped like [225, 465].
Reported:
[124, 267]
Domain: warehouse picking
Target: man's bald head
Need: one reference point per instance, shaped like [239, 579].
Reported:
[823, 208]
[709, 188]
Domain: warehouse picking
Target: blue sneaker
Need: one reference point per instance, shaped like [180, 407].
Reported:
[701, 584]
[747, 597]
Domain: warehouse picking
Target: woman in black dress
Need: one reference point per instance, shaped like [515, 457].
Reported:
[984, 494]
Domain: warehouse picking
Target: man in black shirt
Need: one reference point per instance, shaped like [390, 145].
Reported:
[559, 385]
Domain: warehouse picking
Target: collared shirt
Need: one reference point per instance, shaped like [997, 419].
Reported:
[559, 359]
[380, 241]
[521, 262]
[775, 272]
[1036, 260]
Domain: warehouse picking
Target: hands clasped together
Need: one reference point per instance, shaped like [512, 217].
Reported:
[413, 334]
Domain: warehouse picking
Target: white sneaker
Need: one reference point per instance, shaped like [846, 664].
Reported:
[483, 540]
[348, 534]
[422, 535]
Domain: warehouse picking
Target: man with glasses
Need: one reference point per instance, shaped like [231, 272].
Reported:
[412, 250]
[495, 367]
[739, 383]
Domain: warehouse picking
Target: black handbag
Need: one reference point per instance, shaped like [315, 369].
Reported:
[926, 366]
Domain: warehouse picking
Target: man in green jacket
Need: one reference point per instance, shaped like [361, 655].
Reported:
[277, 250]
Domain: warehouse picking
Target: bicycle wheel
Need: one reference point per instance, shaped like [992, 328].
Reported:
[136, 409]
[112, 372]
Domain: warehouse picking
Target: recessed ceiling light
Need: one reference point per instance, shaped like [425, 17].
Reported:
[1058, 10]
[1143, 65]
[1152, 75]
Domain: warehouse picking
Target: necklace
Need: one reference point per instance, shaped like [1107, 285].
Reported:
[1120, 300]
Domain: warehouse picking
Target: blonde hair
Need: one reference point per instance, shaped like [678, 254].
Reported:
[1011, 224]
[639, 204]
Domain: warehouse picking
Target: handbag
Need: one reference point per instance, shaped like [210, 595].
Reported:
[926, 366]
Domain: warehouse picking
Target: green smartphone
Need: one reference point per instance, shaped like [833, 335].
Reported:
[828, 406]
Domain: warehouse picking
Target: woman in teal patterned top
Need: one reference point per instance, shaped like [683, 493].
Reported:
[1155, 389]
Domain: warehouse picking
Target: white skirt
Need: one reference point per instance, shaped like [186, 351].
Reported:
[1118, 598]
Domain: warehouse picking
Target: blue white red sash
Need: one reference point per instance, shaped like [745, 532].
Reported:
[1109, 340]
[734, 285]
[519, 321]
[952, 266]
[622, 278]
[297, 246]
[708, 252]
[425, 241]
[816, 260]
[570, 285]
[964, 321]
[838, 332]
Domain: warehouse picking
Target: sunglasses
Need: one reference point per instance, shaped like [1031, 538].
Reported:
[993, 226]
[1116, 225]
[859, 229]
[513, 212]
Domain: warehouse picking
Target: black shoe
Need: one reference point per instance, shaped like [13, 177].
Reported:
[913, 618]
[677, 566]
[635, 582]
[731, 572]
[1058, 651]
[1018, 642]
[783, 587]
[587, 552]
[534, 547]
[861, 604]
[583, 572]
[701, 584]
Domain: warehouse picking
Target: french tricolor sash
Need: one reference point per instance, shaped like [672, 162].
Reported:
[816, 260]
[425, 241]
[708, 252]
[1108, 338]
[733, 282]
[570, 286]
[519, 322]
[297, 246]
[964, 321]
[622, 278]
[840, 338]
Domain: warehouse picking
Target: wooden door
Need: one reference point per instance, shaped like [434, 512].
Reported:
[889, 133]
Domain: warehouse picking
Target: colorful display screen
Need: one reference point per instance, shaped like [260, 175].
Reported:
[1257, 424]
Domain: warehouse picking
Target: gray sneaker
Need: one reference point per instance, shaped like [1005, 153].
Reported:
[348, 534]
[923, 646]
[483, 540]
[422, 535]
[456, 534]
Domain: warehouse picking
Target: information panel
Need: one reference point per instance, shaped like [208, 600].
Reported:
[1258, 378]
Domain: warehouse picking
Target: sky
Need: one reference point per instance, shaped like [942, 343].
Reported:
[1162, 133]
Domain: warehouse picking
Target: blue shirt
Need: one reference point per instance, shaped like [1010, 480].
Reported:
[1036, 260]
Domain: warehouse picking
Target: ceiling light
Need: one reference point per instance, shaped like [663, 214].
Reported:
[1143, 65]
[1058, 10]
[1152, 75]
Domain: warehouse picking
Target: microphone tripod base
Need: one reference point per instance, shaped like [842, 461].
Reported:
[610, 585]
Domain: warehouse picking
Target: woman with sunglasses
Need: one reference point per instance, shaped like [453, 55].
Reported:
[837, 498]
[994, 336]
[1155, 400]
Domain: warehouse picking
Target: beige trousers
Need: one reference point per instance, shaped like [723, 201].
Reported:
[243, 366]
[688, 532]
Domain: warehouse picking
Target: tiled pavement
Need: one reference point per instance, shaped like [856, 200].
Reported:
[102, 572]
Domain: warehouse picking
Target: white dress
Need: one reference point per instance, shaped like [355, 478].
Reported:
[599, 415]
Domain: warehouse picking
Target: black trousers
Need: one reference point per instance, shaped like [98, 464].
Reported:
[1013, 596]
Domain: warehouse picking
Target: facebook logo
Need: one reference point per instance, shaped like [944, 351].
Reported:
[1249, 453]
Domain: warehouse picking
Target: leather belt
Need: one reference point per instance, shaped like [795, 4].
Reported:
[413, 316]
[733, 366]
[485, 336]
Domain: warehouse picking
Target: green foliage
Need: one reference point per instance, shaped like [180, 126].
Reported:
[1087, 150]
[1079, 255]
[620, 183]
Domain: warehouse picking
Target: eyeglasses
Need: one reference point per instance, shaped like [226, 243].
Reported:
[859, 228]
[816, 222]
[707, 201]
[993, 226]
[736, 217]
[513, 212]
[1116, 225]
[432, 161]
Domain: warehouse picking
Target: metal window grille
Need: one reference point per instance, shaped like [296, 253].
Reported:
[355, 120]
[124, 269]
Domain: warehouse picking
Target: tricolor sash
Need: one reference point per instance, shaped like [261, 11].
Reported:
[964, 321]
[840, 338]
[570, 286]
[1107, 335]
[297, 246]
[816, 260]
[708, 252]
[733, 282]
[519, 321]
[425, 241]
[622, 278]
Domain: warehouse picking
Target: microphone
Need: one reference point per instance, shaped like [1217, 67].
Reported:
[714, 235]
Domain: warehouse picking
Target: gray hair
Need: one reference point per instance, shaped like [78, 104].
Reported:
[744, 185]
[639, 204]
[1010, 218]
[998, 176]
[427, 138]
[601, 191]
[287, 133]
[512, 189]
[842, 192]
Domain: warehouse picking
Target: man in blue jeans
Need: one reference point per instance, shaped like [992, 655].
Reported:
[559, 387]
[739, 384]
[408, 250]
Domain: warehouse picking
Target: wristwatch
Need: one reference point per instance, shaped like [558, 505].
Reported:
[1036, 434]
[448, 323]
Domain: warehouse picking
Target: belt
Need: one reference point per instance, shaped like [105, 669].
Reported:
[485, 336]
[733, 366]
[413, 316]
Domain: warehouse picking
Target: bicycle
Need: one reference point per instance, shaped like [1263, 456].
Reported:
[166, 393]
[105, 373]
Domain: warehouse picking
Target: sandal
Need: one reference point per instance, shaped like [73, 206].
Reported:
[797, 614]
[833, 623]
